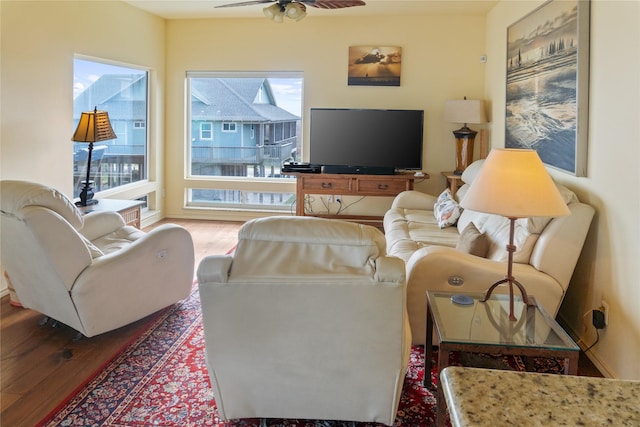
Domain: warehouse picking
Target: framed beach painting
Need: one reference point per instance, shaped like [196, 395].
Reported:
[547, 84]
[374, 65]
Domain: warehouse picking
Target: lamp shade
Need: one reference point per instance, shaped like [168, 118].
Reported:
[465, 111]
[94, 126]
[514, 183]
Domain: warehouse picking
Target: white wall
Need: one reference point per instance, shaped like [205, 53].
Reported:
[440, 60]
[609, 267]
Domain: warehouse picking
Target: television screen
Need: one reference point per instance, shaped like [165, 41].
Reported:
[366, 138]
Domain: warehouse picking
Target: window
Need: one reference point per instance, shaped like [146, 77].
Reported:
[228, 127]
[121, 91]
[206, 131]
[257, 125]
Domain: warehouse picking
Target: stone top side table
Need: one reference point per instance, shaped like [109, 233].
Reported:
[488, 397]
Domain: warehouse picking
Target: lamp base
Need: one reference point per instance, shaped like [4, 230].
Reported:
[87, 202]
[511, 281]
[465, 138]
[509, 277]
[86, 195]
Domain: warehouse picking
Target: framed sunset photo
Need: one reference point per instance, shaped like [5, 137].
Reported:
[374, 66]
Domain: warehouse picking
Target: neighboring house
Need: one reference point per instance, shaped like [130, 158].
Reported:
[124, 97]
[238, 130]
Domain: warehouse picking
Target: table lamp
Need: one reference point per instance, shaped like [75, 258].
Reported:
[94, 126]
[515, 184]
[464, 111]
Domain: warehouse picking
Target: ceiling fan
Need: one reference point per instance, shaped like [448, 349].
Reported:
[295, 9]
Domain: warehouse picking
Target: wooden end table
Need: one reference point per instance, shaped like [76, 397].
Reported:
[128, 209]
[484, 327]
[453, 181]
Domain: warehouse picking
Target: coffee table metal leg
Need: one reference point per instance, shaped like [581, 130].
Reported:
[428, 351]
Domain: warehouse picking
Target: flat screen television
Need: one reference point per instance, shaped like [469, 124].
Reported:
[366, 141]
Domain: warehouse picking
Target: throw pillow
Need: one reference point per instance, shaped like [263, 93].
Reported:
[473, 242]
[446, 209]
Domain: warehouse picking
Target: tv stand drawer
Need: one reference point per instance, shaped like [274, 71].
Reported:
[326, 184]
[382, 187]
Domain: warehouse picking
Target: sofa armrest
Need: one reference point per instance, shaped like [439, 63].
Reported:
[412, 199]
[431, 267]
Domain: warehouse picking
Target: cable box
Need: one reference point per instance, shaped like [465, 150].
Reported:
[300, 167]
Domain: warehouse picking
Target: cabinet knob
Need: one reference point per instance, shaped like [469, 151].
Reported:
[327, 185]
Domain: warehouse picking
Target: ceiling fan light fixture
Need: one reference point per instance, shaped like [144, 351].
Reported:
[272, 11]
[296, 11]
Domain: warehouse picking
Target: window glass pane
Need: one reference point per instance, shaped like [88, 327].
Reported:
[257, 124]
[242, 199]
[122, 92]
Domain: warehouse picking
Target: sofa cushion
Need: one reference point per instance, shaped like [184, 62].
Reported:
[407, 230]
[446, 209]
[473, 242]
[472, 171]
[496, 228]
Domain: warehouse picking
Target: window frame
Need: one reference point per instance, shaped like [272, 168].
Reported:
[270, 184]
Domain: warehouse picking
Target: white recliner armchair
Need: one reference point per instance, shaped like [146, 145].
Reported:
[90, 272]
[306, 320]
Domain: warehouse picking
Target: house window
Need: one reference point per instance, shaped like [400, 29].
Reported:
[229, 127]
[122, 91]
[245, 108]
[206, 131]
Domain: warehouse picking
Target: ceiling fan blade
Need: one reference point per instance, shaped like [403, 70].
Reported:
[247, 3]
[332, 4]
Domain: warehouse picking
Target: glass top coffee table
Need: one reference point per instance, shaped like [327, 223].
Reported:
[484, 327]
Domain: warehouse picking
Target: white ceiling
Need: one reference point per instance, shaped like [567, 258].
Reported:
[193, 9]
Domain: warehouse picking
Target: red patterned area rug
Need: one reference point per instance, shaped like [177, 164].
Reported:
[161, 379]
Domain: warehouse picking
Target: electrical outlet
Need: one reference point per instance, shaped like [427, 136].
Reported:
[604, 307]
[598, 319]
[329, 199]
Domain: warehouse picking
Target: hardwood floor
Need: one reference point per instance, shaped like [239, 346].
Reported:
[41, 365]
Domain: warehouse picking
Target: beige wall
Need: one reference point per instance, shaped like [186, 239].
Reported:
[39, 41]
[609, 267]
[440, 60]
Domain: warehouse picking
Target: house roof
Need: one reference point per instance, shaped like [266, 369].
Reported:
[236, 99]
[123, 96]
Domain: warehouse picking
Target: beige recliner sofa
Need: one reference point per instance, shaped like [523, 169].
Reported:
[547, 250]
[306, 320]
[90, 272]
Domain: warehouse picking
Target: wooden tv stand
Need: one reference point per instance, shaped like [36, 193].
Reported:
[351, 185]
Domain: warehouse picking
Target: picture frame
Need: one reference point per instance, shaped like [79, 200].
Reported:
[374, 65]
[547, 92]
